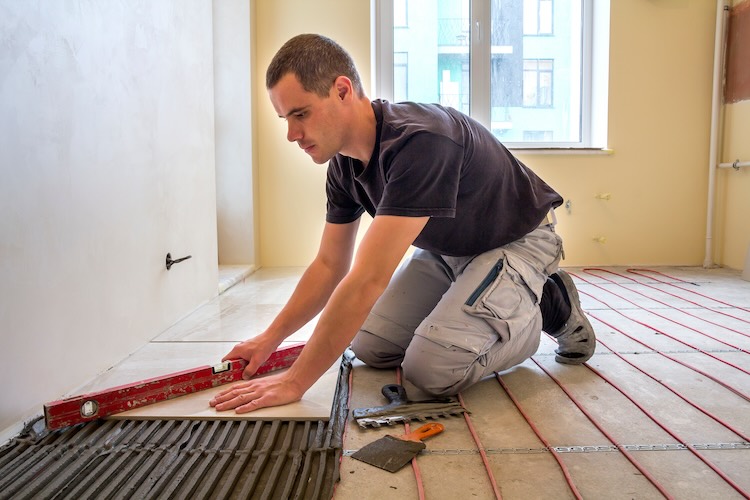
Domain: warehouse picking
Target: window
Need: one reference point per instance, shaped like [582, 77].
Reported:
[400, 14]
[533, 71]
[537, 17]
[537, 83]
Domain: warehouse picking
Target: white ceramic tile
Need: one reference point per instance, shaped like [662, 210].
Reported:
[229, 321]
[159, 359]
[315, 405]
[266, 286]
[243, 311]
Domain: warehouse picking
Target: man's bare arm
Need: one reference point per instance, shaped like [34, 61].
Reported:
[311, 294]
[380, 252]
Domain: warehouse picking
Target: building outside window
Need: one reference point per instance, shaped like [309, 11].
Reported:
[534, 74]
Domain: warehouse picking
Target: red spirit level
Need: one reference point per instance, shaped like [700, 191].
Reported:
[86, 407]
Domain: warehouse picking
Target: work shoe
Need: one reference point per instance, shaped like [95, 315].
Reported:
[576, 339]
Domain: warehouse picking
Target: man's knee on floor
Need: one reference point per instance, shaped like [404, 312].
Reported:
[435, 377]
[434, 384]
[375, 351]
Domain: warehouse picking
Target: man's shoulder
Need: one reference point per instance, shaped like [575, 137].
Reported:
[406, 119]
[395, 112]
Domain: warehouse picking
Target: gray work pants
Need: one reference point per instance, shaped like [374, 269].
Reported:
[450, 321]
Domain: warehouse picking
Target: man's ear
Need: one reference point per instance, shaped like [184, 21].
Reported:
[343, 87]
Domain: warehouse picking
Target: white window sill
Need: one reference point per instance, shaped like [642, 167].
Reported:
[562, 151]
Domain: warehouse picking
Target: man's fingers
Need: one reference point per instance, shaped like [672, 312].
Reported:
[234, 389]
[264, 400]
[232, 397]
[235, 402]
[253, 405]
[245, 397]
[235, 353]
[253, 361]
[250, 369]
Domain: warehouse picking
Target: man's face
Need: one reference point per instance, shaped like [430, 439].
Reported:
[312, 121]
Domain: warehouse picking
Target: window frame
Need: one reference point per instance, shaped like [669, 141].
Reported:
[595, 69]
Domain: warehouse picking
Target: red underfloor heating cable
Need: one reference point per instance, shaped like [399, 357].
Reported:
[661, 332]
[683, 311]
[640, 272]
[677, 393]
[546, 443]
[690, 447]
[611, 438]
[623, 450]
[414, 464]
[482, 452]
[715, 379]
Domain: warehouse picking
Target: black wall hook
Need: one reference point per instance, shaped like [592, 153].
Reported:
[175, 261]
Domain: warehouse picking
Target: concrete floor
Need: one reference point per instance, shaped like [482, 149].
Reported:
[662, 409]
[624, 426]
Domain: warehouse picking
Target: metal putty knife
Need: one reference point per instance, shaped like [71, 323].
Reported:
[393, 452]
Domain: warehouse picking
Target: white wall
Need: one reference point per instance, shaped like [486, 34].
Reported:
[235, 155]
[106, 164]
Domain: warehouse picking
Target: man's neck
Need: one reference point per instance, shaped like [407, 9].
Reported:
[363, 132]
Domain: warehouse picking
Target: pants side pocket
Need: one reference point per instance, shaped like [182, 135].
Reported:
[505, 299]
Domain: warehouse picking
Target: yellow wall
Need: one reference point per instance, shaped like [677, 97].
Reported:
[292, 187]
[661, 59]
[733, 189]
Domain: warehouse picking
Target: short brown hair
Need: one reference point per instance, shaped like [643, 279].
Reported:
[316, 61]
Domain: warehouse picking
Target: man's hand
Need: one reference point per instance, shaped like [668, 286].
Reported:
[255, 351]
[245, 397]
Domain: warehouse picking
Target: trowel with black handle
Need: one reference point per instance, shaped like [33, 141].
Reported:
[401, 409]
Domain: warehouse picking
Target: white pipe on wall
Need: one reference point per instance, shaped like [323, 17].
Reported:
[722, 11]
[735, 165]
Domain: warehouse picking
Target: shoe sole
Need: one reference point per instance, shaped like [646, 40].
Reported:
[575, 302]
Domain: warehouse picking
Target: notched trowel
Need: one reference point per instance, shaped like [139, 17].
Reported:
[402, 409]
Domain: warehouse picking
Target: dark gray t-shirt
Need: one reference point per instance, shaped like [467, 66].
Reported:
[434, 161]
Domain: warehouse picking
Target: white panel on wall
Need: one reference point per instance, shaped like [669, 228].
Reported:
[107, 164]
[233, 57]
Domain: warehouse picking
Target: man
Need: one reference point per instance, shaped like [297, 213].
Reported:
[483, 282]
